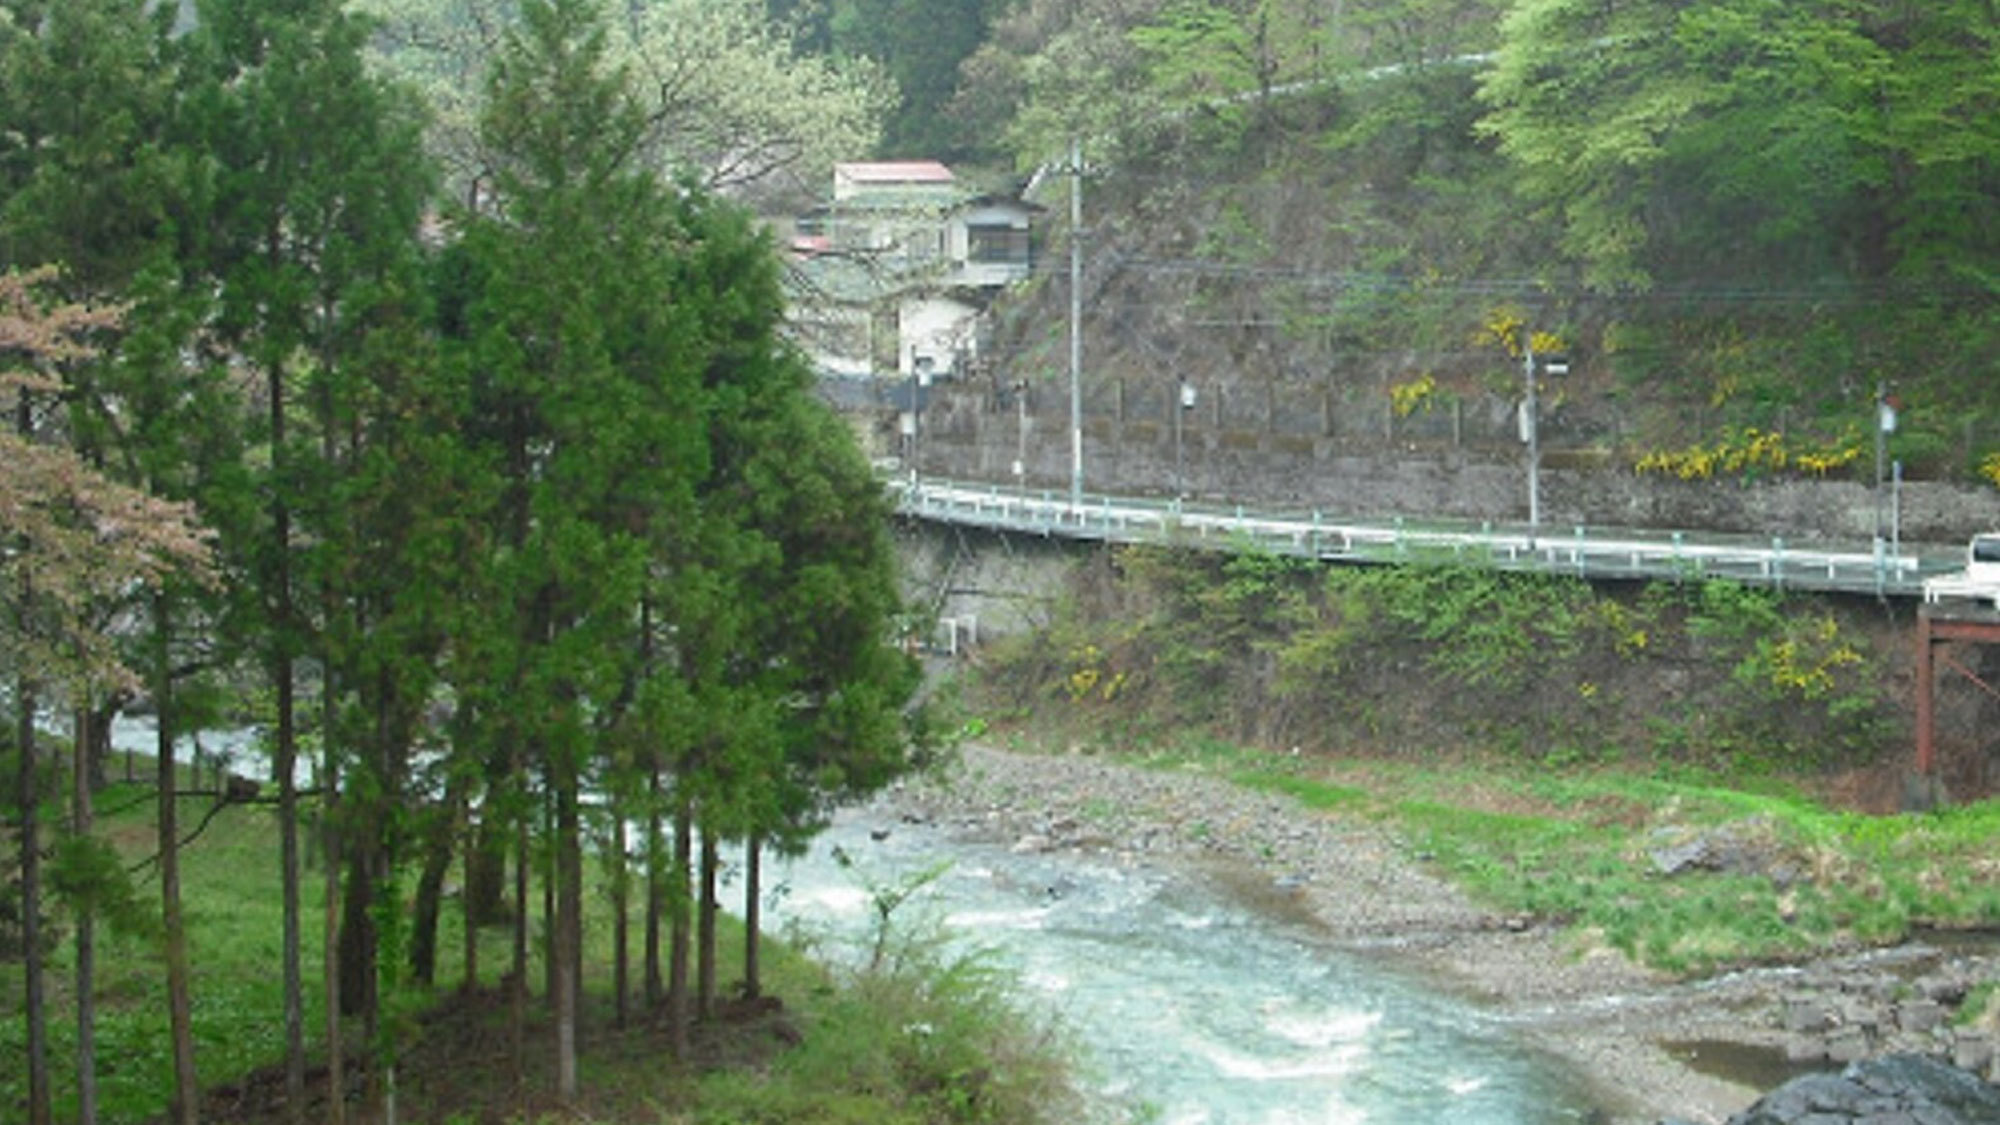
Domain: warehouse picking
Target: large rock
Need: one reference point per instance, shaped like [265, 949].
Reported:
[1751, 846]
[1891, 1090]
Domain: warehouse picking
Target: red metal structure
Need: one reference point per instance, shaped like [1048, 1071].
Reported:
[1937, 626]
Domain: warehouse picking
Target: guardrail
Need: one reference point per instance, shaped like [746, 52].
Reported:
[1601, 553]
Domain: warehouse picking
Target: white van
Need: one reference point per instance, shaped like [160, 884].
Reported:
[1982, 558]
[1981, 577]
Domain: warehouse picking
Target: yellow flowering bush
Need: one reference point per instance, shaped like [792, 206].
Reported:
[1803, 665]
[1501, 327]
[1627, 629]
[1417, 394]
[1090, 678]
[1751, 450]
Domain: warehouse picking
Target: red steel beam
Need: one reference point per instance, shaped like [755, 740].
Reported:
[1930, 633]
[1926, 698]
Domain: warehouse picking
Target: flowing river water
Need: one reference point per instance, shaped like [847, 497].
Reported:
[1199, 998]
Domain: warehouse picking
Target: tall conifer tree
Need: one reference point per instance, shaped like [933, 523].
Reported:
[316, 182]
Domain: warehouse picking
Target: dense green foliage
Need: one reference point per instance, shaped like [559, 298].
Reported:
[1736, 215]
[528, 522]
[1412, 660]
[1733, 214]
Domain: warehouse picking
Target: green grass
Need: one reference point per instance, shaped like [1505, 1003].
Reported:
[1306, 791]
[1573, 848]
[229, 889]
[1582, 858]
[856, 1056]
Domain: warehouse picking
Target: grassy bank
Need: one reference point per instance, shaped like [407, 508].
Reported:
[1767, 871]
[921, 1037]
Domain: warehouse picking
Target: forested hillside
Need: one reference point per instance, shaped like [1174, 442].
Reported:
[1737, 217]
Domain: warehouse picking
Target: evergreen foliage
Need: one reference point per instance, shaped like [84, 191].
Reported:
[522, 506]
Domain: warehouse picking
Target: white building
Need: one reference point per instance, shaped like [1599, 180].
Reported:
[893, 274]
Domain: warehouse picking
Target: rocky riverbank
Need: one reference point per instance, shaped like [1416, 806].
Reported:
[1655, 1048]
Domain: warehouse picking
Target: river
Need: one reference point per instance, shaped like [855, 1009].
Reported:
[1202, 1000]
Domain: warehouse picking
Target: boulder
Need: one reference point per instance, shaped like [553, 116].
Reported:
[1750, 846]
[1908, 1089]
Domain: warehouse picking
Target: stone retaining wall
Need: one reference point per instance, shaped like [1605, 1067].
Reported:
[1298, 449]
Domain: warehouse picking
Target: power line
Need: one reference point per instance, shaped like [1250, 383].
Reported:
[1842, 293]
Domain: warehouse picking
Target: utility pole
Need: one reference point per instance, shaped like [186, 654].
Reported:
[1180, 485]
[1021, 433]
[1530, 433]
[1884, 422]
[1076, 324]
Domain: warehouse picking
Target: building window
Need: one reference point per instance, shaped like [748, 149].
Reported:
[1005, 245]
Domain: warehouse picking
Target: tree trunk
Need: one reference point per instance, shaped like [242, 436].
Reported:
[568, 933]
[705, 921]
[472, 919]
[486, 870]
[548, 866]
[336, 1047]
[35, 1001]
[655, 860]
[39, 1112]
[517, 999]
[430, 883]
[753, 916]
[486, 863]
[101, 715]
[331, 811]
[621, 928]
[180, 1008]
[677, 952]
[86, 934]
[361, 977]
[284, 762]
[357, 931]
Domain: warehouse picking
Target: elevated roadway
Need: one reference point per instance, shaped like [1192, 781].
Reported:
[1593, 553]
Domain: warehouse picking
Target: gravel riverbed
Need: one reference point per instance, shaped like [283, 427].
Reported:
[1623, 1027]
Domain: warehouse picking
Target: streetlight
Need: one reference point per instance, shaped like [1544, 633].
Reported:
[1531, 424]
[1885, 424]
[1187, 406]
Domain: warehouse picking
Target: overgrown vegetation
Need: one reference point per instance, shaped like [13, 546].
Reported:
[1410, 660]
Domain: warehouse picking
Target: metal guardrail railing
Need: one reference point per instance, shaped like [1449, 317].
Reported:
[1600, 553]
